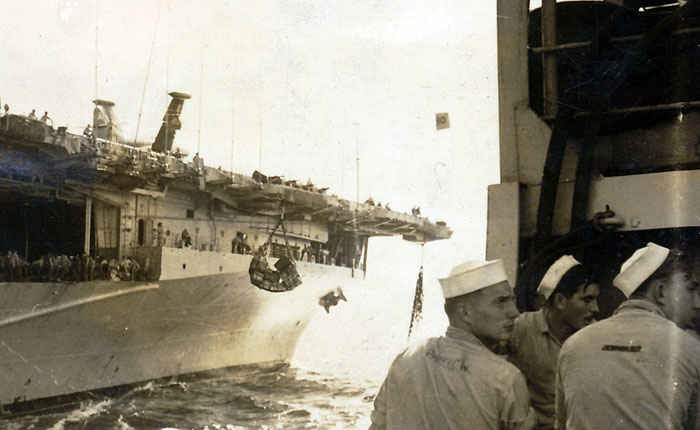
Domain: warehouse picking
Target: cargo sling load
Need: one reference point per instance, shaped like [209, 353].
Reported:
[123, 263]
[599, 119]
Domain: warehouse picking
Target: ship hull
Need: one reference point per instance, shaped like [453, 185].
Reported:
[58, 339]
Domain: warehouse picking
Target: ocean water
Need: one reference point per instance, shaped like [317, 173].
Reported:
[338, 367]
[249, 397]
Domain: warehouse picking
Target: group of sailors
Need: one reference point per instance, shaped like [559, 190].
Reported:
[239, 245]
[319, 254]
[46, 119]
[309, 253]
[278, 180]
[370, 202]
[415, 210]
[71, 268]
[557, 367]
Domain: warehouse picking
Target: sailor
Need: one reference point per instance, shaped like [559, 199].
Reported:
[7, 118]
[186, 239]
[639, 368]
[456, 381]
[198, 163]
[160, 235]
[46, 119]
[236, 243]
[571, 303]
[308, 252]
[32, 114]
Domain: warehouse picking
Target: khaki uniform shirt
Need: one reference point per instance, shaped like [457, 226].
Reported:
[534, 350]
[635, 370]
[452, 382]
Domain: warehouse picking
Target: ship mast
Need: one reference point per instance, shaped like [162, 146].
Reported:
[260, 136]
[201, 96]
[233, 125]
[167, 65]
[148, 73]
[97, 50]
[357, 158]
[357, 199]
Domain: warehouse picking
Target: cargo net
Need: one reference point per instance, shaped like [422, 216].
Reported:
[284, 277]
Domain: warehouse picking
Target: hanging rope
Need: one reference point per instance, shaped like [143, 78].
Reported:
[417, 313]
[148, 73]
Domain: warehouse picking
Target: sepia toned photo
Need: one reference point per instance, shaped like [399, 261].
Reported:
[370, 214]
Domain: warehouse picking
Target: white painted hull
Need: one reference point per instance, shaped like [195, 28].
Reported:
[58, 339]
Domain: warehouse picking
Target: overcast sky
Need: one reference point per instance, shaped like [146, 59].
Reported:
[309, 80]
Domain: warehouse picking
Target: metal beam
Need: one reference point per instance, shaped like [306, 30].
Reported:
[382, 223]
[88, 224]
[151, 193]
[585, 44]
[403, 226]
[96, 194]
[648, 108]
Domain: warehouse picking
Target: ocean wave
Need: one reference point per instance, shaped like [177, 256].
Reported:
[254, 397]
[86, 411]
[123, 425]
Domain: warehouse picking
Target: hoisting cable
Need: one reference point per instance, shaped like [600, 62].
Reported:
[148, 72]
[417, 313]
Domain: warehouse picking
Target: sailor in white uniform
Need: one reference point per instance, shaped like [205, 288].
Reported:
[638, 369]
[455, 381]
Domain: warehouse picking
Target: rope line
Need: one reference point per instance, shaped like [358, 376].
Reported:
[148, 73]
[417, 312]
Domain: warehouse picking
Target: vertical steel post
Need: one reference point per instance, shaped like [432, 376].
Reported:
[364, 258]
[88, 224]
[549, 59]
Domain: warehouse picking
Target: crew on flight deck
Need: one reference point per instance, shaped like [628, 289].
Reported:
[46, 119]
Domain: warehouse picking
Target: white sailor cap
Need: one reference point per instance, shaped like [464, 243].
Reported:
[472, 276]
[556, 271]
[639, 267]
